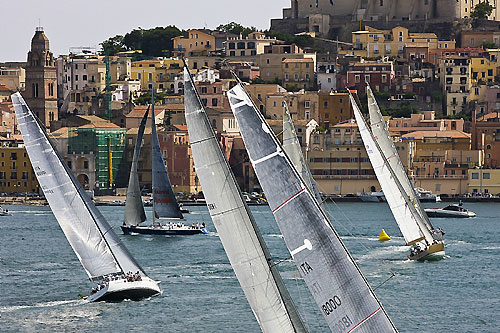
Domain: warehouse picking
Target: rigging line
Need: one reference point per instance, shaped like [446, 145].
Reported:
[281, 261]
[386, 280]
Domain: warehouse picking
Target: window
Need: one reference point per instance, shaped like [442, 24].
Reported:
[384, 78]
[84, 77]
[367, 78]
[357, 78]
[214, 101]
[325, 104]
[307, 104]
[475, 175]
[486, 175]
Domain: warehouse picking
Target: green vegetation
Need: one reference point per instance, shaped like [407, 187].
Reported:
[461, 115]
[236, 28]
[261, 81]
[145, 99]
[481, 11]
[303, 41]
[404, 110]
[489, 45]
[155, 42]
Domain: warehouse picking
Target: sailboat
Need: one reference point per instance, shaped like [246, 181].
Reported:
[340, 290]
[165, 205]
[292, 147]
[427, 243]
[237, 229]
[105, 259]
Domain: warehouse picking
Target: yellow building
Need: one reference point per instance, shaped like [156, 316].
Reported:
[161, 71]
[251, 45]
[197, 42]
[13, 78]
[483, 70]
[455, 79]
[16, 173]
[372, 42]
[298, 73]
[484, 181]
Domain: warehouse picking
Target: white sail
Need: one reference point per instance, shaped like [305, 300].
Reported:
[291, 145]
[340, 290]
[243, 243]
[383, 138]
[91, 237]
[401, 207]
[134, 208]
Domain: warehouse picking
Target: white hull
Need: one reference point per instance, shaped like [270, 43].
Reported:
[119, 290]
[440, 212]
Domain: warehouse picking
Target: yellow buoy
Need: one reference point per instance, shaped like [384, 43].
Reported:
[383, 236]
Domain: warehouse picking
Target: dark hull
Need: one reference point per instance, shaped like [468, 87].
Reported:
[161, 231]
[131, 294]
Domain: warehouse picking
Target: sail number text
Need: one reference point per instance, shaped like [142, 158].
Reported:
[343, 324]
[331, 305]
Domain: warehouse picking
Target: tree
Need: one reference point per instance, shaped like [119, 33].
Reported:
[236, 28]
[482, 10]
[112, 45]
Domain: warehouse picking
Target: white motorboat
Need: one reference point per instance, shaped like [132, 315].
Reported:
[4, 212]
[453, 210]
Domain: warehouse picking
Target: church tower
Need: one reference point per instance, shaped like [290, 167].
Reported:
[41, 79]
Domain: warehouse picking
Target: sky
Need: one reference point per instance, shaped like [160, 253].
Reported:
[69, 23]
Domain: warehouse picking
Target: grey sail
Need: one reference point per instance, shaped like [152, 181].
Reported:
[292, 147]
[340, 290]
[240, 236]
[382, 136]
[96, 245]
[134, 208]
[164, 202]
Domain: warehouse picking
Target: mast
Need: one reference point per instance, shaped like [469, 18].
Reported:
[335, 281]
[292, 147]
[153, 127]
[96, 245]
[402, 208]
[237, 229]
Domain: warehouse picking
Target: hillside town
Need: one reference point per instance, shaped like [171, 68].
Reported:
[435, 71]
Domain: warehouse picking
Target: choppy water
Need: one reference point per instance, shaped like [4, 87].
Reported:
[40, 276]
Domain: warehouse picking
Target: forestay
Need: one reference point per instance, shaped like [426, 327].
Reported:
[134, 208]
[383, 138]
[401, 207]
[89, 234]
[292, 147]
[240, 236]
[164, 202]
[336, 283]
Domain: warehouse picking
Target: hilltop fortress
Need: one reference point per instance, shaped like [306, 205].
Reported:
[333, 18]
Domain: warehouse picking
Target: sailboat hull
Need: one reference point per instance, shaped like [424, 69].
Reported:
[163, 230]
[433, 252]
[119, 290]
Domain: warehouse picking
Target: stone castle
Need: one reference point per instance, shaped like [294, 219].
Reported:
[329, 18]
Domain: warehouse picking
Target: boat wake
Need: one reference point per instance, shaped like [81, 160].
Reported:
[13, 308]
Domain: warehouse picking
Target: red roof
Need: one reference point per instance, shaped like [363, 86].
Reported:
[4, 88]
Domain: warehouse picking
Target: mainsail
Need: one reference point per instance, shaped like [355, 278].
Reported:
[340, 290]
[134, 208]
[164, 202]
[383, 138]
[244, 245]
[292, 147]
[96, 245]
[403, 210]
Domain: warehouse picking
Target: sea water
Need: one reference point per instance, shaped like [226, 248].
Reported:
[41, 277]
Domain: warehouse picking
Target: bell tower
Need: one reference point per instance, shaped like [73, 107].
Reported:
[41, 79]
